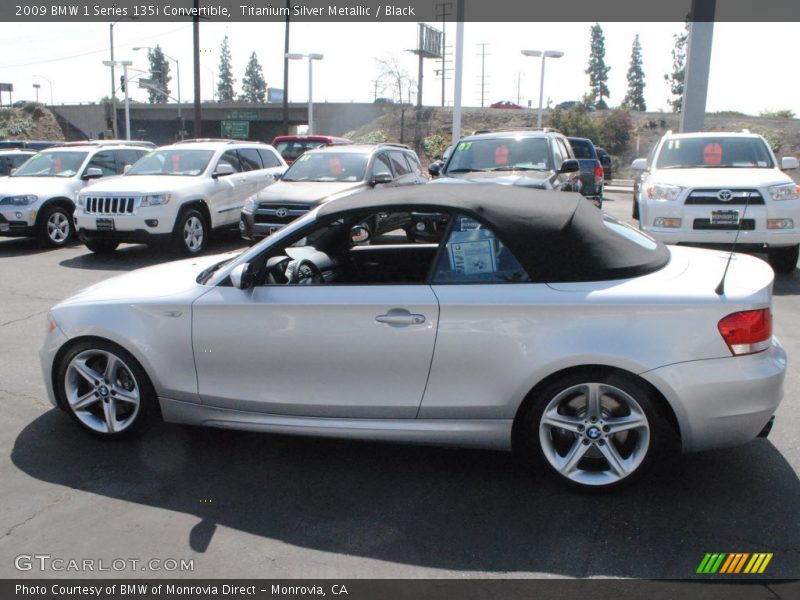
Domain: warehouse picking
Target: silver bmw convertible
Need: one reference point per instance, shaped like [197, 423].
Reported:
[483, 316]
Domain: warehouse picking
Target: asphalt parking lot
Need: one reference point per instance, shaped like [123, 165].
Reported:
[252, 505]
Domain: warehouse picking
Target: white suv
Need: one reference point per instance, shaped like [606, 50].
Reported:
[705, 188]
[37, 200]
[176, 193]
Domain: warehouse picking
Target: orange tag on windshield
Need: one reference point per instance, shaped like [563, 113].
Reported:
[176, 162]
[501, 155]
[712, 154]
[336, 166]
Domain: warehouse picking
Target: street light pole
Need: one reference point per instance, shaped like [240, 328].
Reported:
[36, 86]
[49, 84]
[544, 54]
[114, 132]
[311, 58]
[124, 64]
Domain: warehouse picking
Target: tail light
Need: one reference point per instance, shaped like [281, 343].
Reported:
[598, 172]
[747, 332]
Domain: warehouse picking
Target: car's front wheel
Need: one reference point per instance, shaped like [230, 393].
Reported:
[784, 259]
[191, 232]
[55, 228]
[104, 389]
[101, 246]
[593, 430]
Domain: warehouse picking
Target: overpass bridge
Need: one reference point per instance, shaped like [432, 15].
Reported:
[159, 122]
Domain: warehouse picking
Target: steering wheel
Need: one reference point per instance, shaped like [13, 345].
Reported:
[303, 272]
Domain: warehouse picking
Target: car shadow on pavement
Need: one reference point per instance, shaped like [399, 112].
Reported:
[10, 247]
[787, 285]
[135, 256]
[463, 510]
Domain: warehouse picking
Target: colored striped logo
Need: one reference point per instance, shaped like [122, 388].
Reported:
[734, 563]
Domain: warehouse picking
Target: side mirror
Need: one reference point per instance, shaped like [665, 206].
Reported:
[242, 276]
[359, 234]
[382, 177]
[223, 169]
[92, 173]
[570, 166]
[789, 162]
[435, 169]
[640, 164]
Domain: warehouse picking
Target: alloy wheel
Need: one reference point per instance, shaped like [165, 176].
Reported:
[58, 227]
[193, 233]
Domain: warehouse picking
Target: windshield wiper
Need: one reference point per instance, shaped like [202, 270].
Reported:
[517, 168]
[465, 170]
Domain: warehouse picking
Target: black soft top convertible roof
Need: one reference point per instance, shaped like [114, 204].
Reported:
[556, 236]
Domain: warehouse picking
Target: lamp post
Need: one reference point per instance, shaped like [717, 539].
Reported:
[36, 86]
[178, 73]
[544, 54]
[124, 64]
[311, 58]
[50, 84]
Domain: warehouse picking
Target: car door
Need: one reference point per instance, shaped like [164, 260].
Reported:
[226, 198]
[360, 349]
[382, 164]
[403, 174]
[256, 177]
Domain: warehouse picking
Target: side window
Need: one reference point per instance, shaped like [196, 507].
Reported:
[473, 254]
[413, 162]
[232, 159]
[558, 155]
[269, 159]
[250, 159]
[127, 157]
[381, 165]
[399, 164]
[567, 151]
[104, 161]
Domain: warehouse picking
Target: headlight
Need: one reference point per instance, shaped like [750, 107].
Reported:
[155, 199]
[785, 191]
[660, 191]
[249, 205]
[80, 201]
[19, 200]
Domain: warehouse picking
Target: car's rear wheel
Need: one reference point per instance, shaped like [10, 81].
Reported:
[594, 430]
[104, 389]
[55, 228]
[191, 232]
[101, 246]
[784, 259]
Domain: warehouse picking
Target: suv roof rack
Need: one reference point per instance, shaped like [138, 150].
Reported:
[204, 140]
[110, 143]
[512, 129]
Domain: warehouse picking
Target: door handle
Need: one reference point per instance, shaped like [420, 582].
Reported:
[401, 318]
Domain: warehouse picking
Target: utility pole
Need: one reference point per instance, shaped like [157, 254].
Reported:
[483, 73]
[459, 70]
[519, 87]
[286, 70]
[198, 119]
[443, 9]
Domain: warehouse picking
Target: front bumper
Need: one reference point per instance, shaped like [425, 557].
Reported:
[137, 229]
[17, 221]
[723, 402]
[250, 230]
[47, 354]
[724, 238]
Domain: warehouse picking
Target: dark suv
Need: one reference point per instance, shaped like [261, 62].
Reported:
[592, 176]
[535, 158]
[324, 174]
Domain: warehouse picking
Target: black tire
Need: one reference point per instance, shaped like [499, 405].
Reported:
[129, 379]
[56, 228]
[101, 246]
[784, 260]
[185, 242]
[540, 444]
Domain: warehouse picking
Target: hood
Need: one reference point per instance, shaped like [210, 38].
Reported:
[720, 178]
[532, 179]
[137, 185]
[309, 192]
[44, 187]
[156, 282]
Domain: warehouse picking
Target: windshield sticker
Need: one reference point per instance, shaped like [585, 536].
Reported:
[712, 154]
[464, 146]
[36, 156]
[674, 144]
[501, 155]
[304, 158]
[150, 155]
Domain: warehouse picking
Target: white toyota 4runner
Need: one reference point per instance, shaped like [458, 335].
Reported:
[177, 193]
[705, 188]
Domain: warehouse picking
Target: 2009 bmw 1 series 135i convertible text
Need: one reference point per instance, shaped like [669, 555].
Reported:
[479, 316]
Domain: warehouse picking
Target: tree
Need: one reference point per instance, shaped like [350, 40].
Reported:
[254, 86]
[159, 72]
[226, 81]
[678, 75]
[394, 77]
[598, 71]
[634, 98]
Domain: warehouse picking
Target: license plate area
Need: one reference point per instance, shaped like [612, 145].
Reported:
[725, 217]
[105, 224]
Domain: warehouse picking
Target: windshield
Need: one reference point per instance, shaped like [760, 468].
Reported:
[179, 162]
[525, 153]
[290, 150]
[714, 152]
[328, 166]
[52, 164]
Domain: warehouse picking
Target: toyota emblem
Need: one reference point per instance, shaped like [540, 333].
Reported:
[725, 195]
[282, 212]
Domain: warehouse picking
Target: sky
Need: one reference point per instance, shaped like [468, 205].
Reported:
[748, 64]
